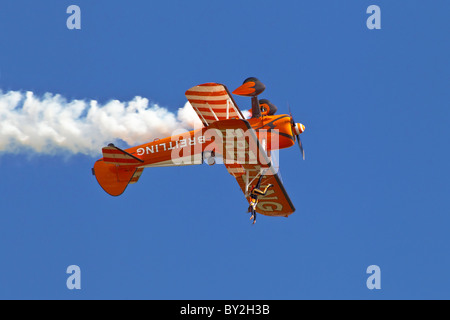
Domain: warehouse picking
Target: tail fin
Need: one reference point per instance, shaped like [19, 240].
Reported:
[116, 170]
[113, 179]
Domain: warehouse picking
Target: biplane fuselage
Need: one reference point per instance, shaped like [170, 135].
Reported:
[274, 131]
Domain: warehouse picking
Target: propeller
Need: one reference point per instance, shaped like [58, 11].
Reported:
[297, 129]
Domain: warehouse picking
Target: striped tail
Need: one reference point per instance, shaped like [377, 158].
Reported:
[116, 170]
[114, 155]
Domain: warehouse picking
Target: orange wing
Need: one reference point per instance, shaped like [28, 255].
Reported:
[213, 102]
[246, 160]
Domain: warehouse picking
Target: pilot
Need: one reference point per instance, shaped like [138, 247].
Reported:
[254, 199]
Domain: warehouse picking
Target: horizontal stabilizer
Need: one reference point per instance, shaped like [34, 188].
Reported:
[136, 175]
[117, 156]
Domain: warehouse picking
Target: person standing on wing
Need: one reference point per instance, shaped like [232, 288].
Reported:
[256, 191]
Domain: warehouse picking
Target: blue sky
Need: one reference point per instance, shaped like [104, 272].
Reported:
[372, 191]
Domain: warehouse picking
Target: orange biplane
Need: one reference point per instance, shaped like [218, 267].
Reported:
[245, 145]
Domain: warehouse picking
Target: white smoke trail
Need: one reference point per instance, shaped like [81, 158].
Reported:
[50, 124]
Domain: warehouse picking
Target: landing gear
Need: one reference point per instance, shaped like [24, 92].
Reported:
[209, 157]
[211, 161]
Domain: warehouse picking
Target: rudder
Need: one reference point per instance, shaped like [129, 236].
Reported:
[112, 178]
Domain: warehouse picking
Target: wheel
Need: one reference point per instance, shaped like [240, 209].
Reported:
[211, 161]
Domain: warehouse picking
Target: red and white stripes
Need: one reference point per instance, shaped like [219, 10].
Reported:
[212, 102]
[114, 155]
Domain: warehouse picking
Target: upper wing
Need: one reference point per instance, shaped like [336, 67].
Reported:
[246, 160]
[213, 102]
